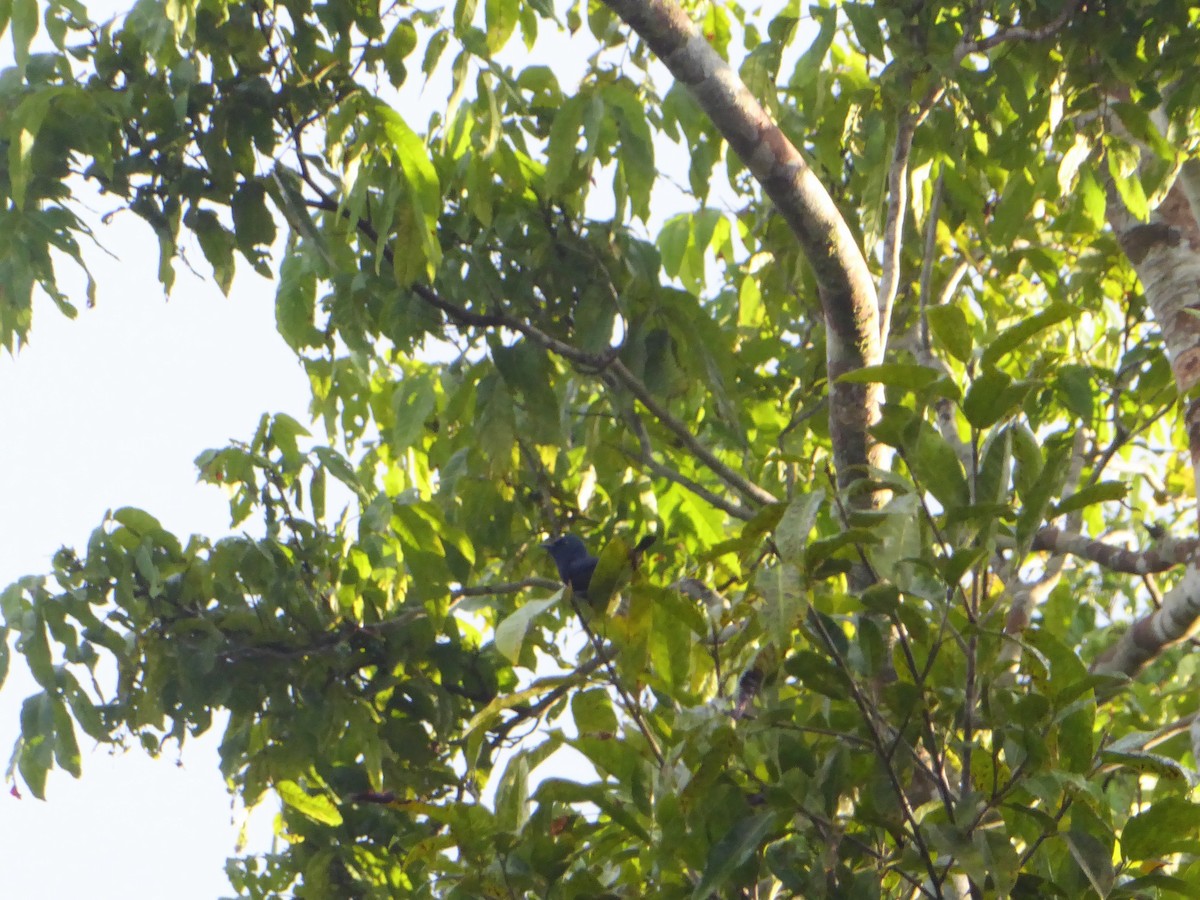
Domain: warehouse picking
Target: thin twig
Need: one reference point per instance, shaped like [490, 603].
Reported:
[893, 229]
[734, 479]
[1016, 33]
[646, 458]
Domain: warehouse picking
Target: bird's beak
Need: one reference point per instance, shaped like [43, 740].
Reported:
[546, 545]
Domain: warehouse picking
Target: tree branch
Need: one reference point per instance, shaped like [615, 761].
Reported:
[1016, 33]
[893, 230]
[1148, 637]
[645, 456]
[843, 277]
[1168, 554]
[734, 479]
[505, 587]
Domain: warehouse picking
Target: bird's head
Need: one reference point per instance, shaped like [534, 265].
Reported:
[566, 549]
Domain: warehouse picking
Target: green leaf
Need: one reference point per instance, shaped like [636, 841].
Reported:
[1074, 385]
[866, 27]
[907, 376]
[1094, 858]
[501, 19]
[217, 244]
[950, 329]
[1016, 335]
[511, 632]
[784, 601]
[593, 714]
[1103, 492]
[26, 123]
[464, 14]
[434, 49]
[424, 195]
[337, 466]
[66, 748]
[1123, 171]
[413, 401]
[138, 521]
[4, 655]
[937, 469]
[1141, 127]
[1046, 486]
[400, 43]
[25, 21]
[562, 154]
[796, 524]
[1028, 456]
[35, 646]
[612, 571]
[512, 794]
[740, 843]
[36, 750]
[317, 807]
[295, 303]
[810, 61]
[1153, 763]
[993, 396]
[992, 483]
[1170, 825]
[252, 221]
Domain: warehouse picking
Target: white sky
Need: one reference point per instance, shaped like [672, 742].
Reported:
[106, 411]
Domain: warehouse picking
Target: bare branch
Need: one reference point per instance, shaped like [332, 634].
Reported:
[893, 229]
[1017, 33]
[1168, 554]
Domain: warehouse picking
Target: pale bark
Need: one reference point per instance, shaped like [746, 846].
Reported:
[1148, 637]
[844, 281]
[1164, 555]
[1165, 253]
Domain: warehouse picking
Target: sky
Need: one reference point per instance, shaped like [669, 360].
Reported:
[105, 411]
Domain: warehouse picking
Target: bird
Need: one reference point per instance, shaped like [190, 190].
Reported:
[575, 564]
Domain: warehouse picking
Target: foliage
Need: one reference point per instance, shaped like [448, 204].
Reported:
[632, 350]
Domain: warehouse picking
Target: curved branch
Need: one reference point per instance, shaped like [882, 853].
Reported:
[1149, 636]
[1017, 33]
[645, 456]
[843, 277]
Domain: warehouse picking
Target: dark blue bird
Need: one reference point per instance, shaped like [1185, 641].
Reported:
[575, 564]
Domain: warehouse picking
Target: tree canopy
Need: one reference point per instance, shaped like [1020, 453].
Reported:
[879, 318]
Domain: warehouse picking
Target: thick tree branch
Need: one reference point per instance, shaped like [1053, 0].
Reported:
[1148, 637]
[843, 278]
[1165, 253]
[1168, 554]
